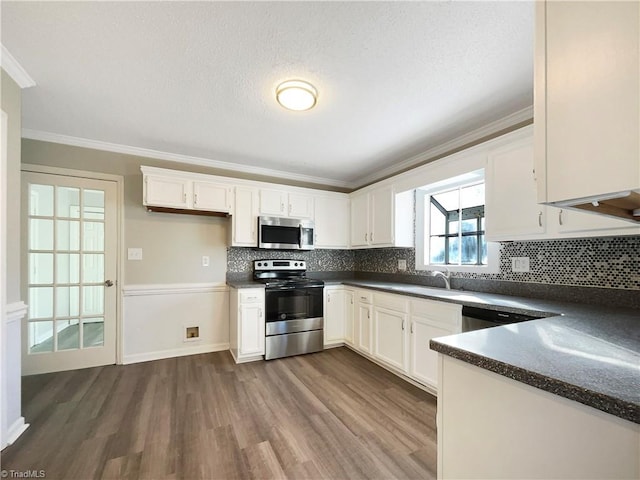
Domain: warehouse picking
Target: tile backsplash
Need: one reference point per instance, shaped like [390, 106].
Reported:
[609, 262]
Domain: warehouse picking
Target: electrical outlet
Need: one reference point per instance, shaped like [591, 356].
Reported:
[402, 265]
[205, 260]
[134, 253]
[519, 264]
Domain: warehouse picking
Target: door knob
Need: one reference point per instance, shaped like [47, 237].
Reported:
[108, 283]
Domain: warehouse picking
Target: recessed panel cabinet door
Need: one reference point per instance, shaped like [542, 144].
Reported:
[251, 329]
[244, 222]
[389, 336]
[167, 192]
[424, 361]
[382, 227]
[211, 196]
[334, 316]
[359, 220]
[364, 328]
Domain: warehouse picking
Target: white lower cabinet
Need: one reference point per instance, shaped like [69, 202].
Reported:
[247, 328]
[334, 315]
[349, 314]
[363, 321]
[390, 320]
[429, 320]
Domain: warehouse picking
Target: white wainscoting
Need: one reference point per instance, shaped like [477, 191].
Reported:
[155, 318]
[13, 423]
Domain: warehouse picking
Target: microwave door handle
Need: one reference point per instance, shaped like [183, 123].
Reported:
[300, 236]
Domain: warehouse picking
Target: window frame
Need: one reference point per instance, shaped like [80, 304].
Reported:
[423, 234]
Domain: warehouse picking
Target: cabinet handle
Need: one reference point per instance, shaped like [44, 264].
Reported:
[184, 197]
[560, 217]
[371, 237]
[363, 298]
[328, 298]
[260, 313]
[539, 219]
[411, 327]
[402, 324]
[289, 209]
[365, 237]
[282, 207]
[195, 199]
[368, 314]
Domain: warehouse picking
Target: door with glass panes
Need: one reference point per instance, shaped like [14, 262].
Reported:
[70, 272]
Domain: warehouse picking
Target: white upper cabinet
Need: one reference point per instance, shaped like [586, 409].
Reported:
[169, 192]
[244, 220]
[212, 196]
[511, 206]
[288, 204]
[512, 211]
[331, 213]
[185, 191]
[587, 104]
[382, 218]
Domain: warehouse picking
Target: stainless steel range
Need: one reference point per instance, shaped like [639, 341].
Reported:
[294, 308]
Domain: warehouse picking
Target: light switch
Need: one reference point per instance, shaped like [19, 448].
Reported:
[134, 253]
[402, 265]
[205, 260]
[519, 264]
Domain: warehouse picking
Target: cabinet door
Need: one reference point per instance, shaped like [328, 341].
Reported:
[251, 335]
[389, 336]
[332, 222]
[211, 196]
[300, 205]
[359, 220]
[273, 202]
[333, 316]
[512, 210]
[244, 222]
[423, 362]
[382, 210]
[364, 328]
[349, 312]
[167, 192]
[592, 97]
[590, 224]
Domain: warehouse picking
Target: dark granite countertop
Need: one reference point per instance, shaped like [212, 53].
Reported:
[244, 283]
[585, 353]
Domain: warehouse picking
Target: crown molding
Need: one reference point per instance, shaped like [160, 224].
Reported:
[15, 70]
[491, 128]
[176, 157]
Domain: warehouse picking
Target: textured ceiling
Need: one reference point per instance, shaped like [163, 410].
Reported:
[198, 78]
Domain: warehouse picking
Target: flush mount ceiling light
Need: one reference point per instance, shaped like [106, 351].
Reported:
[296, 95]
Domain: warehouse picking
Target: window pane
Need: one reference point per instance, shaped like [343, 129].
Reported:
[470, 225]
[454, 226]
[94, 236]
[483, 242]
[68, 334]
[68, 204]
[469, 250]
[454, 253]
[41, 268]
[41, 200]
[449, 200]
[93, 300]
[93, 268]
[437, 221]
[472, 196]
[40, 302]
[436, 253]
[93, 332]
[93, 205]
[40, 234]
[40, 337]
[67, 235]
[67, 301]
[68, 268]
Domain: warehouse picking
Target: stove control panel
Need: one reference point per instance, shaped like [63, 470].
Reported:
[272, 265]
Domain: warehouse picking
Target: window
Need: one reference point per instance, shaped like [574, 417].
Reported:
[450, 226]
[456, 221]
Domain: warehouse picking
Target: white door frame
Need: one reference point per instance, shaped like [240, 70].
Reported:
[119, 180]
[3, 278]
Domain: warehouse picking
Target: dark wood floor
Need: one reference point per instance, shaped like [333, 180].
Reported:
[325, 415]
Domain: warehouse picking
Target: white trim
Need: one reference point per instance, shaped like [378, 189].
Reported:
[177, 352]
[176, 157]
[16, 429]
[173, 289]
[15, 70]
[509, 121]
[16, 311]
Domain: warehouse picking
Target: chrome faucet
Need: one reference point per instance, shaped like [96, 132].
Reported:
[445, 276]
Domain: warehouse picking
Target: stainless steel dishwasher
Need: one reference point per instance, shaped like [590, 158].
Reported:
[477, 318]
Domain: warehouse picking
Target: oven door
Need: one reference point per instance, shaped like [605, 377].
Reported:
[293, 303]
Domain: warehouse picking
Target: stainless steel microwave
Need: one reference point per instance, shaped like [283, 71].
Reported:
[285, 233]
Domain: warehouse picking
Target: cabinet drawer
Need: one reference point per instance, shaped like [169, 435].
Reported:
[446, 313]
[397, 303]
[364, 296]
[252, 295]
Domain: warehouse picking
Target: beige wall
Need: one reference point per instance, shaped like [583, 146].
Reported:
[11, 105]
[172, 244]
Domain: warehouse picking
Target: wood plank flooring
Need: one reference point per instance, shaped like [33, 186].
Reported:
[327, 415]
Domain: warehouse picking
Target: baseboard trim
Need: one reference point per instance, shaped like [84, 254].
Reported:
[15, 430]
[173, 288]
[178, 352]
